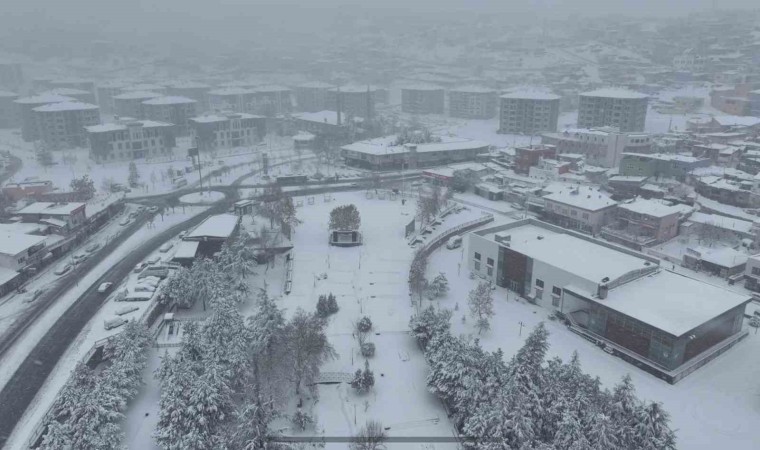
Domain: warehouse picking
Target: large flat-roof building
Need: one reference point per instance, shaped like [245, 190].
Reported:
[383, 153]
[213, 232]
[472, 102]
[64, 216]
[603, 147]
[171, 109]
[312, 97]
[79, 95]
[9, 117]
[581, 208]
[422, 99]
[665, 323]
[129, 139]
[62, 125]
[106, 91]
[528, 112]
[190, 89]
[130, 103]
[26, 105]
[660, 165]
[217, 131]
[621, 108]
[643, 223]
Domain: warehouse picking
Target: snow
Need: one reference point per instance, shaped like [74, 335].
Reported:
[55, 209]
[211, 118]
[108, 127]
[745, 121]
[672, 302]
[328, 117]
[421, 87]
[91, 333]
[186, 249]
[315, 85]
[614, 93]
[66, 91]
[8, 94]
[652, 208]
[12, 244]
[723, 256]
[473, 90]
[66, 106]
[726, 223]
[44, 99]
[722, 208]
[136, 95]
[169, 100]
[666, 157]
[219, 226]
[586, 198]
[202, 197]
[384, 146]
[531, 94]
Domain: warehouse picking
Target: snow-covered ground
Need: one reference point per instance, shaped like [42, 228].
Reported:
[93, 332]
[204, 197]
[715, 405]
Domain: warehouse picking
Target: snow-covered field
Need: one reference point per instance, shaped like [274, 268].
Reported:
[717, 404]
[204, 197]
[93, 332]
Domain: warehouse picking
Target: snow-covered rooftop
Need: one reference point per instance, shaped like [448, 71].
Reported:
[421, 87]
[44, 99]
[315, 85]
[474, 90]
[187, 85]
[582, 197]
[169, 100]
[136, 95]
[66, 91]
[615, 93]
[672, 302]
[326, 116]
[384, 145]
[14, 243]
[744, 121]
[8, 94]
[186, 249]
[355, 88]
[220, 226]
[211, 118]
[723, 222]
[530, 94]
[107, 127]
[143, 87]
[230, 91]
[666, 157]
[55, 209]
[652, 208]
[66, 106]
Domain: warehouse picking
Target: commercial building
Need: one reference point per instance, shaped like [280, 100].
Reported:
[190, 89]
[213, 232]
[528, 112]
[472, 102]
[170, 109]
[384, 154]
[580, 208]
[603, 147]
[64, 217]
[422, 99]
[643, 223]
[30, 188]
[26, 105]
[312, 97]
[130, 104]
[9, 117]
[528, 156]
[665, 323]
[620, 108]
[660, 165]
[62, 125]
[217, 131]
[356, 101]
[126, 140]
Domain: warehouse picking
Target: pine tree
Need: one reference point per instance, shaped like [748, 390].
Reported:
[134, 175]
[653, 430]
[624, 412]
[430, 323]
[332, 303]
[481, 305]
[569, 435]
[601, 434]
[438, 287]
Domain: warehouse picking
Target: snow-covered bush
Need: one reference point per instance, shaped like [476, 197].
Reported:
[302, 420]
[368, 349]
[364, 324]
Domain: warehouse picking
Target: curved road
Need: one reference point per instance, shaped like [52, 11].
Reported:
[22, 387]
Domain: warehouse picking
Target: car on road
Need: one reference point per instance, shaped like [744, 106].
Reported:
[79, 258]
[105, 287]
[454, 242]
[62, 270]
[138, 268]
[166, 247]
[124, 221]
[33, 296]
[93, 247]
[153, 209]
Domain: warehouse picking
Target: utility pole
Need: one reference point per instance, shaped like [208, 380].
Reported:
[521, 327]
[195, 155]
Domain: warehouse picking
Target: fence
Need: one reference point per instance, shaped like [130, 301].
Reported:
[436, 242]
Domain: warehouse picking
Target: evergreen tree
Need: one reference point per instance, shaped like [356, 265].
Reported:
[481, 305]
[429, 324]
[307, 348]
[569, 435]
[601, 434]
[624, 412]
[438, 287]
[134, 175]
[653, 430]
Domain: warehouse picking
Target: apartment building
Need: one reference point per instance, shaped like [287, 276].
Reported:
[620, 108]
[130, 103]
[106, 91]
[356, 100]
[79, 95]
[218, 131]
[62, 125]
[9, 117]
[472, 102]
[25, 108]
[422, 99]
[129, 139]
[581, 208]
[313, 97]
[603, 147]
[642, 223]
[193, 90]
[171, 109]
[528, 112]
[660, 165]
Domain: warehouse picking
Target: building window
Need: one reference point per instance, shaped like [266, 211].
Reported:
[556, 291]
[477, 265]
[756, 271]
[490, 271]
[555, 301]
[539, 294]
[477, 256]
[489, 262]
[539, 283]
[585, 216]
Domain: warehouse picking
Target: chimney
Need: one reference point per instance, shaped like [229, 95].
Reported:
[602, 291]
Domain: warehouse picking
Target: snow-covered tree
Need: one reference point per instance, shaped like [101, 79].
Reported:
[480, 301]
[345, 218]
[438, 287]
[307, 348]
[417, 281]
[302, 420]
[134, 175]
[430, 323]
[372, 436]
[569, 435]
[363, 379]
[653, 429]
[83, 186]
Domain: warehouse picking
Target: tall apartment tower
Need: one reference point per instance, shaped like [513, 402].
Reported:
[528, 112]
[620, 108]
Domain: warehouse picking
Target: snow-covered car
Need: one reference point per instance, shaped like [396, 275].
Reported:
[143, 288]
[153, 260]
[105, 287]
[114, 323]
[79, 258]
[124, 221]
[138, 268]
[62, 270]
[33, 296]
[93, 247]
[153, 209]
[166, 247]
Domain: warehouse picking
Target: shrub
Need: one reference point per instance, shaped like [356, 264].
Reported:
[368, 349]
[365, 324]
[302, 420]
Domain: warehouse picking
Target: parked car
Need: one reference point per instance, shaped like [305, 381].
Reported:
[105, 287]
[62, 270]
[126, 310]
[454, 242]
[93, 247]
[166, 247]
[124, 221]
[138, 268]
[153, 260]
[114, 323]
[153, 209]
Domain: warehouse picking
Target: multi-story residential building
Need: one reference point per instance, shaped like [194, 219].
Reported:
[170, 109]
[233, 99]
[383, 154]
[79, 95]
[603, 147]
[620, 108]
[528, 156]
[528, 112]
[356, 101]
[26, 105]
[62, 125]
[422, 99]
[126, 140]
[190, 89]
[472, 102]
[130, 104]
[73, 83]
[643, 223]
[11, 75]
[653, 318]
[582, 208]
[9, 117]
[106, 92]
[752, 273]
[64, 217]
[217, 131]
[271, 101]
[731, 192]
[145, 87]
[660, 165]
[313, 97]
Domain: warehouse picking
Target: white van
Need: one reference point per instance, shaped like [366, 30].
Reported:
[454, 242]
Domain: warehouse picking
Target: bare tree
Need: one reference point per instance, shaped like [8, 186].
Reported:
[481, 305]
[372, 436]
